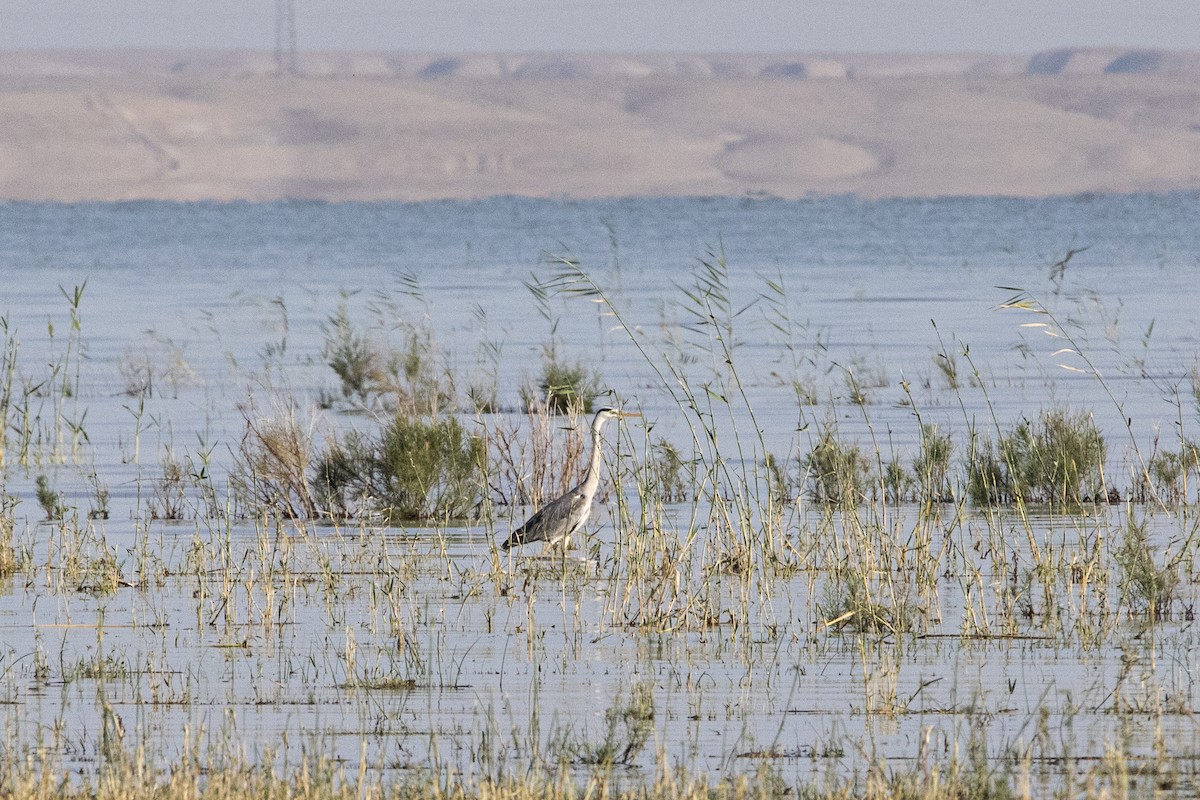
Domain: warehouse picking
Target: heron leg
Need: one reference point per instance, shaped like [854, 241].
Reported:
[561, 544]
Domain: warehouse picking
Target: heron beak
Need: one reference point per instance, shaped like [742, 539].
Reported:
[623, 414]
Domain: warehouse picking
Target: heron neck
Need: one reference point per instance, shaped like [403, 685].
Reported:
[591, 479]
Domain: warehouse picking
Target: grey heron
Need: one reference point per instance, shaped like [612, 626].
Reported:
[554, 522]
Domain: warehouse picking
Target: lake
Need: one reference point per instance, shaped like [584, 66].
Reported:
[734, 627]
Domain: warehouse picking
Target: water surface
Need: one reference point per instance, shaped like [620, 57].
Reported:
[416, 647]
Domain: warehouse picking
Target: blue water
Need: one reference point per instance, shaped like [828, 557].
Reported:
[865, 281]
[1120, 230]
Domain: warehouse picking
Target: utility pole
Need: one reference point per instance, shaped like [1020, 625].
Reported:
[285, 38]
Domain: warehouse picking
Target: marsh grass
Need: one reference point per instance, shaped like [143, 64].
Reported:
[947, 367]
[563, 386]
[673, 478]
[156, 364]
[482, 384]
[724, 573]
[350, 354]
[8, 555]
[129, 774]
[43, 421]
[9, 352]
[537, 462]
[735, 515]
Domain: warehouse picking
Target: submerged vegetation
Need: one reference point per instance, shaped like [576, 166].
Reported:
[874, 568]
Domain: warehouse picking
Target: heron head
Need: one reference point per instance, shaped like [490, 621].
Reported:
[608, 412]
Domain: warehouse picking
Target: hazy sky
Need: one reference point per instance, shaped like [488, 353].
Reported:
[623, 25]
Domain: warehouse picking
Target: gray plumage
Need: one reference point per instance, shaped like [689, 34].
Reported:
[555, 522]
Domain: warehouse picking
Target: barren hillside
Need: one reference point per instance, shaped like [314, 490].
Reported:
[223, 125]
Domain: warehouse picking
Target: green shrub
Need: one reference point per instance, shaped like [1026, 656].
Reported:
[837, 473]
[371, 368]
[52, 503]
[1145, 587]
[897, 482]
[563, 388]
[351, 356]
[853, 604]
[1170, 470]
[418, 468]
[987, 478]
[420, 386]
[932, 465]
[1057, 459]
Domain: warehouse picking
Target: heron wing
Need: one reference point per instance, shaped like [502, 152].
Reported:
[553, 521]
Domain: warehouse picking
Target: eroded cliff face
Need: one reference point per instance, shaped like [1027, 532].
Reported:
[118, 125]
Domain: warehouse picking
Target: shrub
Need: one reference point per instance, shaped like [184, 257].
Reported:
[1058, 459]
[52, 503]
[853, 604]
[932, 465]
[419, 386]
[407, 378]
[350, 355]
[563, 388]
[1145, 587]
[987, 479]
[1169, 471]
[837, 472]
[897, 482]
[418, 468]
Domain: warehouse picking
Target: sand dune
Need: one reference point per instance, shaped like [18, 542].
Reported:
[187, 126]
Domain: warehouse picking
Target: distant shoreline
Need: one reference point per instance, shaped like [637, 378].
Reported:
[222, 125]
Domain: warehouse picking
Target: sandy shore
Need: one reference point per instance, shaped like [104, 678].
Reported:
[188, 126]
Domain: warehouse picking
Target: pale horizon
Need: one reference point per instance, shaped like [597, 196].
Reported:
[473, 26]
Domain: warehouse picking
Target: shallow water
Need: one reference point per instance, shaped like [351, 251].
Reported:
[414, 647]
